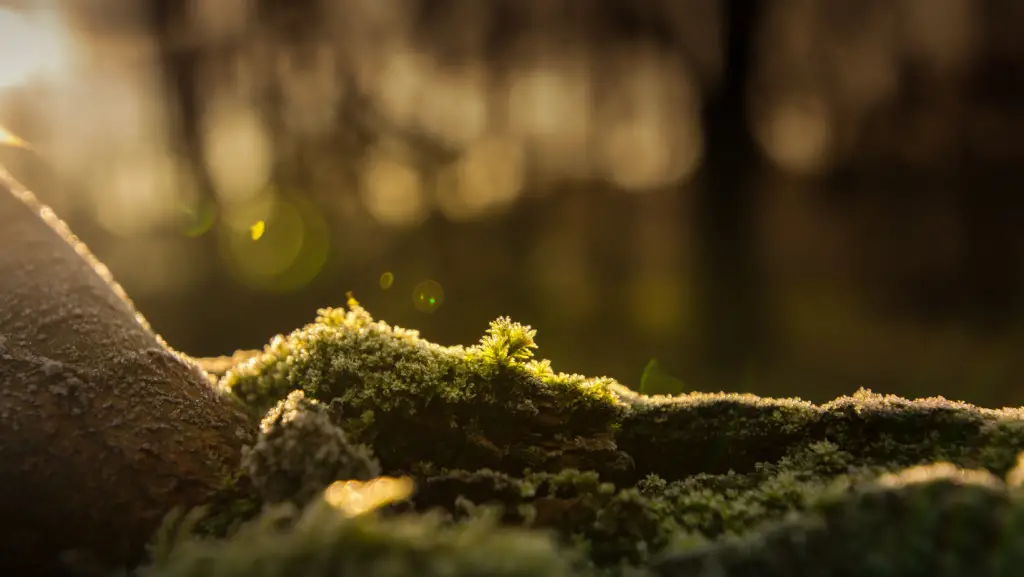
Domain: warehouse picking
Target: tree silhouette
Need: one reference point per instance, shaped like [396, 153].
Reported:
[730, 315]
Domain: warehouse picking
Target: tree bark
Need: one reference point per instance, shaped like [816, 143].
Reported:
[729, 280]
[103, 428]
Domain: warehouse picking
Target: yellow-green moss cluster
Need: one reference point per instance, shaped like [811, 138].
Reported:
[621, 478]
[412, 401]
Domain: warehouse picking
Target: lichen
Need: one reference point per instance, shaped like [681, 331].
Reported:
[597, 479]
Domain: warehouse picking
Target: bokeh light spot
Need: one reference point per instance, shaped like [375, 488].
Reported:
[549, 106]
[797, 135]
[292, 251]
[428, 296]
[648, 133]
[257, 229]
[386, 280]
[392, 191]
[238, 150]
[454, 105]
[487, 178]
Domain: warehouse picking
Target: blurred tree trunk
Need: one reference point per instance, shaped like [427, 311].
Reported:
[179, 62]
[728, 313]
[103, 429]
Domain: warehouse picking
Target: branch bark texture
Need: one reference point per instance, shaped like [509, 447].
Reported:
[103, 428]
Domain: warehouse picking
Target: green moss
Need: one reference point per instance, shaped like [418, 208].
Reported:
[321, 541]
[300, 452]
[718, 505]
[730, 432]
[610, 524]
[592, 466]
[413, 401]
[934, 520]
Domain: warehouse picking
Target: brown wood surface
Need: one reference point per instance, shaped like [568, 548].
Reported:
[103, 428]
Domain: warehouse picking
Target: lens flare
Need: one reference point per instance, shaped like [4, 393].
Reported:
[428, 296]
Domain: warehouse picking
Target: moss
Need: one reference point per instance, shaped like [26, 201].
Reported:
[731, 504]
[936, 520]
[587, 465]
[730, 432]
[321, 541]
[300, 452]
[612, 525]
[413, 401]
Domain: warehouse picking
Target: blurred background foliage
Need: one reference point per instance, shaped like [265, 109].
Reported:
[786, 197]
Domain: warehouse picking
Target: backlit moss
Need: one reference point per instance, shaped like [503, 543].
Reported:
[936, 520]
[300, 451]
[322, 541]
[413, 401]
[622, 477]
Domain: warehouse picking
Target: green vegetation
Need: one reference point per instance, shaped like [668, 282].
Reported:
[519, 470]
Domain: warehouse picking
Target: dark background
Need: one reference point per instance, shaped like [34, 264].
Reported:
[786, 197]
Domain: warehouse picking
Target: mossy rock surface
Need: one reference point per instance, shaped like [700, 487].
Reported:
[519, 470]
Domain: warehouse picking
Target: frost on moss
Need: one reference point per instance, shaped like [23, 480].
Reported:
[611, 525]
[486, 406]
[723, 432]
[620, 476]
[300, 451]
[493, 406]
[936, 520]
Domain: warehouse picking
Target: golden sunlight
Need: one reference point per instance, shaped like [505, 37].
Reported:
[32, 43]
[8, 138]
[356, 497]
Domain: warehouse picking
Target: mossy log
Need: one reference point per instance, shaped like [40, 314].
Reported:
[637, 483]
[518, 470]
[103, 428]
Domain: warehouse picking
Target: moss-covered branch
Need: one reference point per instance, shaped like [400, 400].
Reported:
[516, 469]
[484, 407]
[622, 478]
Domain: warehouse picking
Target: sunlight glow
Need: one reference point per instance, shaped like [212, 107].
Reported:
[32, 43]
[8, 138]
[357, 497]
